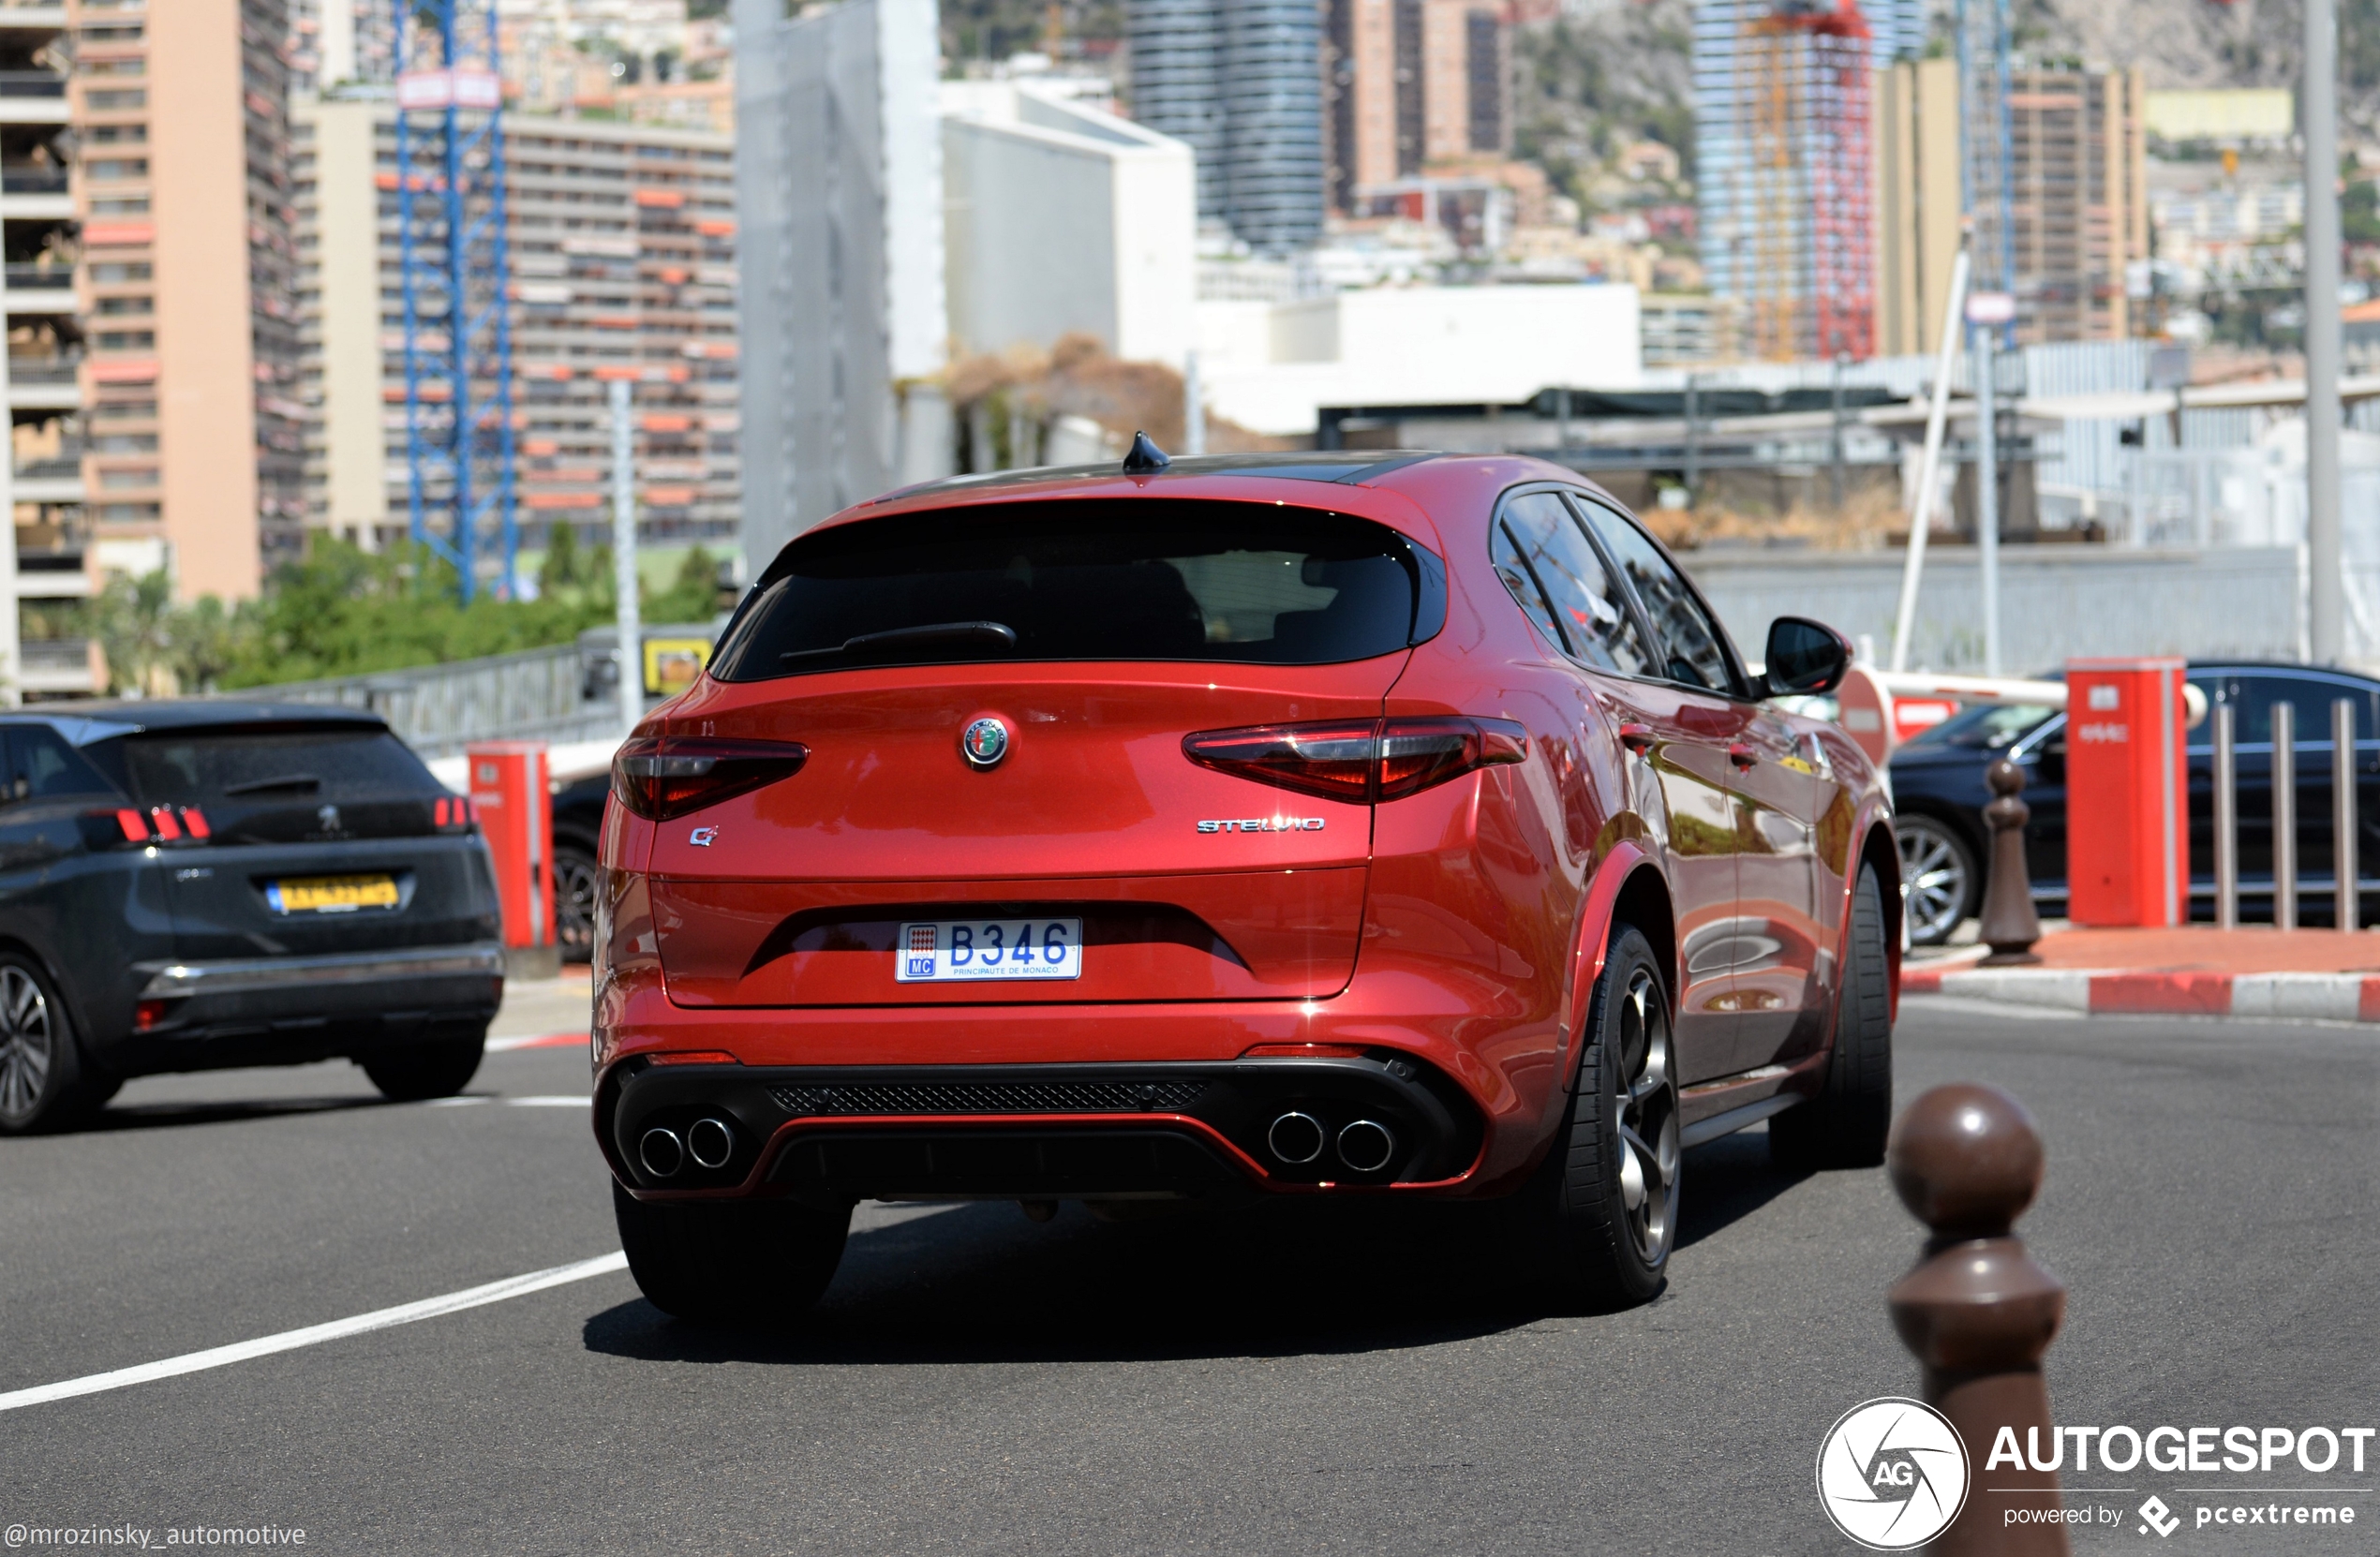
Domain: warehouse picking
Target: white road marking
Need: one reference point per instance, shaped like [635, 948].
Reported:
[547, 1102]
[313, 1335]
[539, 1041]
[454, 1102]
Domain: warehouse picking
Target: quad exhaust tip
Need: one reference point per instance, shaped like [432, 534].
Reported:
[1366, 1146]
[662, 1153]
[1296, 1138]
[710, 1143]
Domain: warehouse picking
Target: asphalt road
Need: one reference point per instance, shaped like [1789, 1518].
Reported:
[1265, 1383]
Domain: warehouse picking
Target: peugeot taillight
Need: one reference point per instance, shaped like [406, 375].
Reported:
[668, 775]
[1359, 761]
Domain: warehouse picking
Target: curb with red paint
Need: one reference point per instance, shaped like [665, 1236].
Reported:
[2335, 997]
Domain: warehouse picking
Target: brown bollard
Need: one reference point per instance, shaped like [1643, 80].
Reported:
[1978, 1313]
[2010, 926]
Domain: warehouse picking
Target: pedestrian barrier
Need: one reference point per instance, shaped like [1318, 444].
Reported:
[1978, 1312]
[2346, 818]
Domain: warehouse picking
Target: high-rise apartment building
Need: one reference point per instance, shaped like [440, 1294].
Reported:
[1240, 81]
[1412, 85]
[152, 339]
[623, 253]
[1734, 195]
[44, 646]
[2079, 213]
[192, 364]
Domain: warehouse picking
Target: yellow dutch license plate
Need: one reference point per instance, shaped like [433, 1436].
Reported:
[331, 893]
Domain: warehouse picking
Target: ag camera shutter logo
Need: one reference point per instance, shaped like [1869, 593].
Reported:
[1892, 1473]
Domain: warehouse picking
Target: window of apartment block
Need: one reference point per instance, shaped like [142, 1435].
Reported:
[128, 340]
[112, 273]
[115, 135]
[110, 102]
[115, 168]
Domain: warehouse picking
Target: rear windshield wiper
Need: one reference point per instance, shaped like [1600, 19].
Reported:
[286, 782]
[991, 635]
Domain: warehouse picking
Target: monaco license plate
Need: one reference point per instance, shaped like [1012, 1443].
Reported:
[331, 893]
[945, 951]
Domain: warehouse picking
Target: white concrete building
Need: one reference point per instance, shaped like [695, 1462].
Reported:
[839, 191]
[1060, 217]
[1273, 367]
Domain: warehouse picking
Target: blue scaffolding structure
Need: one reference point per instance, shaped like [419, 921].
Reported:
[456, 272]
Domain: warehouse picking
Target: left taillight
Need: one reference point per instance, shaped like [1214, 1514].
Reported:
[160, 825]
[657, 778]
[1358, 763]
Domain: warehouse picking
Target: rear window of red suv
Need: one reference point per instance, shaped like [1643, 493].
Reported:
[1140, 579]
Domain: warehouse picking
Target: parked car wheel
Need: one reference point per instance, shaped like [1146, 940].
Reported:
[439, 1069]
[734, 1262]
[1845, 1124]
[44, 1082]
[576, 875]
[1607, 1198]
[1940, 884]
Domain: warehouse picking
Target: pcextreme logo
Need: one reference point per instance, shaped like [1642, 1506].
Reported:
[1892, 1473]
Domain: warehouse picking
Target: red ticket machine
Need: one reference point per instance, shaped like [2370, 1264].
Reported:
[2127, 793]
[515, 807]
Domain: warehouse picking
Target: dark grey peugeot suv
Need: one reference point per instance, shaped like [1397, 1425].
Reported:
[191, 885]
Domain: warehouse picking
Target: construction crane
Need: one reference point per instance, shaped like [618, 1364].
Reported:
[456, 277]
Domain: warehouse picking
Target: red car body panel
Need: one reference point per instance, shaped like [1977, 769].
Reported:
[1463, 926]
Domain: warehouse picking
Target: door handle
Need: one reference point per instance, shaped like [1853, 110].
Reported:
[1637, 737]
[1742, 756]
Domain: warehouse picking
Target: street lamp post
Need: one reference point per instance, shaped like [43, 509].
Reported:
[2326, 611]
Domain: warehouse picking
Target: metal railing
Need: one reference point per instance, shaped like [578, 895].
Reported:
[538, 694]
[40, 275]
[33, 181]
[31, 84]
[44, 370]
[56, 654]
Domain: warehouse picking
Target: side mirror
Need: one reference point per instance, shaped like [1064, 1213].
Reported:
[1803, 658]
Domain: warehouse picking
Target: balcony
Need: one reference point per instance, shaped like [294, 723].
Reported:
[33, 178]
[57, 666]
[32, 83]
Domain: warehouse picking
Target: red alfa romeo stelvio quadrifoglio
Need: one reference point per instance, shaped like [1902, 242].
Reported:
[1322, 824]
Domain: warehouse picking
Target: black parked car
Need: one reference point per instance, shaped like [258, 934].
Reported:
[1938, 796]
[185, 886]
[579, 824]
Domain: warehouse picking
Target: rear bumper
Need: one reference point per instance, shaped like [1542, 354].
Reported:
[289, 1009]
[1055, 1132]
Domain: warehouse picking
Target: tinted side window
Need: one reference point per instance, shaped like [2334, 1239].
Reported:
[1689, 638]
[42, 766]
[2254, 692]
[1515, 564]
[1593, 609]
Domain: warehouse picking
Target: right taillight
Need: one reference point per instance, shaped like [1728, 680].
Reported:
[1359, 761]
[657, 778]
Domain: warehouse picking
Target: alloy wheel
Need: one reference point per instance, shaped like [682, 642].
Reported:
[575, 889]
[27, 1045]
[1650, 1156]
[1934, 872]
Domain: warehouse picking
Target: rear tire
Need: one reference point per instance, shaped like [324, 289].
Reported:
[1844, 1125]
[45, 1082]
[1604, 1205]
[730, 1262]
[439, 1069]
